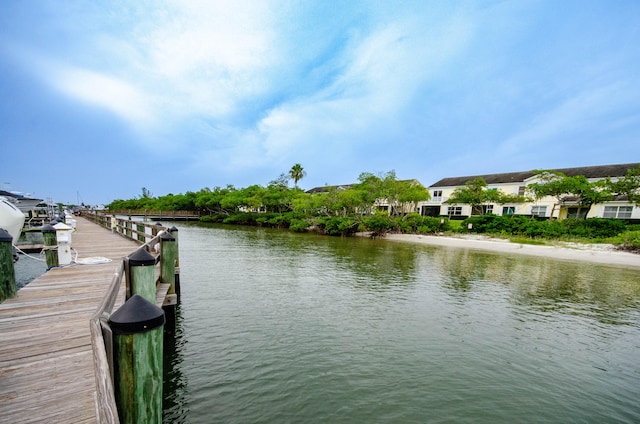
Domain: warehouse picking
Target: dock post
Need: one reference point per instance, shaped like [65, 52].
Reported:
[168, 261]
[142, 273]
[138, 345]
[50, 245]
[8, 286]
[168, 276]
[174, 232]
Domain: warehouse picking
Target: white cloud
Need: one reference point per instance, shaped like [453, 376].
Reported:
[116, 95]
[382, 72]
[210, 57]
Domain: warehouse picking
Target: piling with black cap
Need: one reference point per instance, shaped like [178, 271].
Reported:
[168, 261]
[138, 342]
[174, 232]
[142, 275]
[50, 245]
[8, 287]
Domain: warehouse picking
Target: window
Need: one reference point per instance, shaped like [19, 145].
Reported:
[487, 209]
[508, 210]
[521, 191]
[437, 196]
[430, 210]
[454, 211]
[538, 210]
[620, 212]
[577, 213]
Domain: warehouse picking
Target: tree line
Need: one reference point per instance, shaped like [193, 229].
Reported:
[381, 203]
[332, 209]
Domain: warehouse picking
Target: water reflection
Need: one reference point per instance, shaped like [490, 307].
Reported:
[376, 265]
[607, 294]
[174, 381]
[285, 327]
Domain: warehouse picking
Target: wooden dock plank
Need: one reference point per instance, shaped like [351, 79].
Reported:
[46, 362]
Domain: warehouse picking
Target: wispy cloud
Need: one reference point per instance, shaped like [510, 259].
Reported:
[105, 91]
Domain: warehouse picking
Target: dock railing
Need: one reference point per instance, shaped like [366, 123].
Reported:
[135, 230]
[152, 214]
[101, 334]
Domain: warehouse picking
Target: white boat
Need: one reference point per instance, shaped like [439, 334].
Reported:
[11, 218]
[21, 201]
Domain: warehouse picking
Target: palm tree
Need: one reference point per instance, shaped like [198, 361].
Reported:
[297, 173]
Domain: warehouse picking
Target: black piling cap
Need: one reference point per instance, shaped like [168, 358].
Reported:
[167, 237]
[173, 229]
[4, 235]
[141, 258]
[48, 229]
[137, 315]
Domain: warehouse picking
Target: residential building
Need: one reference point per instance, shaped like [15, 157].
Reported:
[516, 182]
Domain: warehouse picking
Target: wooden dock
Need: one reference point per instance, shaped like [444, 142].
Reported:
[46, 360]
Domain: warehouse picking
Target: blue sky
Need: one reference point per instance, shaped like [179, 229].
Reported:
[101, 98]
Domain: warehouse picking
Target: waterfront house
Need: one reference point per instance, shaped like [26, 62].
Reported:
[515, 183]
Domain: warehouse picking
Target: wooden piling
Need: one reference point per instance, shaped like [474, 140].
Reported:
[138, 345]
[142, 276]
[174, 232]
[168, 261]
[50, 246]
[8, 287]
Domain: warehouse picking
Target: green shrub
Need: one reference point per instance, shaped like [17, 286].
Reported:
[241, 218]
[630, 240]
[409, 223]
[378, 223]
[299, 225]
[339, 225]
[217, 218]
[593, 228]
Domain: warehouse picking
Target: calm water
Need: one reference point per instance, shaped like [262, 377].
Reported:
[276, 327]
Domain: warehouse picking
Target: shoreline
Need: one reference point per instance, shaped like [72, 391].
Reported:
[602, 254]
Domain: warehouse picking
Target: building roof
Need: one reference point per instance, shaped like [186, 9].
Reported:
[327, 188]
[602, 171]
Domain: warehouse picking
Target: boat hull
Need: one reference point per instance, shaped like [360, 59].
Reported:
[11, 219]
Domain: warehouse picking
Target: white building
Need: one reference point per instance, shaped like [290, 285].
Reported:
[516, 182]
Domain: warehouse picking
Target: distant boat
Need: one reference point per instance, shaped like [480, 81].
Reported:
[22, 202]
[11, 218]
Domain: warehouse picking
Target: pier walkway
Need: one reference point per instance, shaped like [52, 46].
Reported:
[46, 360]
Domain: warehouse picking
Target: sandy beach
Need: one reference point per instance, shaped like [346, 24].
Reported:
[604, 254]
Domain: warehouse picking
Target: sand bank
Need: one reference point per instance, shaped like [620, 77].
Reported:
[597, 253]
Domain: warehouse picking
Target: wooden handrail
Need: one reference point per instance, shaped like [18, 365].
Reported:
[101, 340]
[106, 410]
[125, 227]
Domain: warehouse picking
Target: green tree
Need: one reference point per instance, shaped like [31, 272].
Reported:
[474, 193]
[575, 190]
[628, 186]
[297, 173]
[409, 193]
[477, 194]
[277, 196]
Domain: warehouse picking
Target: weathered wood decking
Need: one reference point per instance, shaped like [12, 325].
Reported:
[46, 360]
